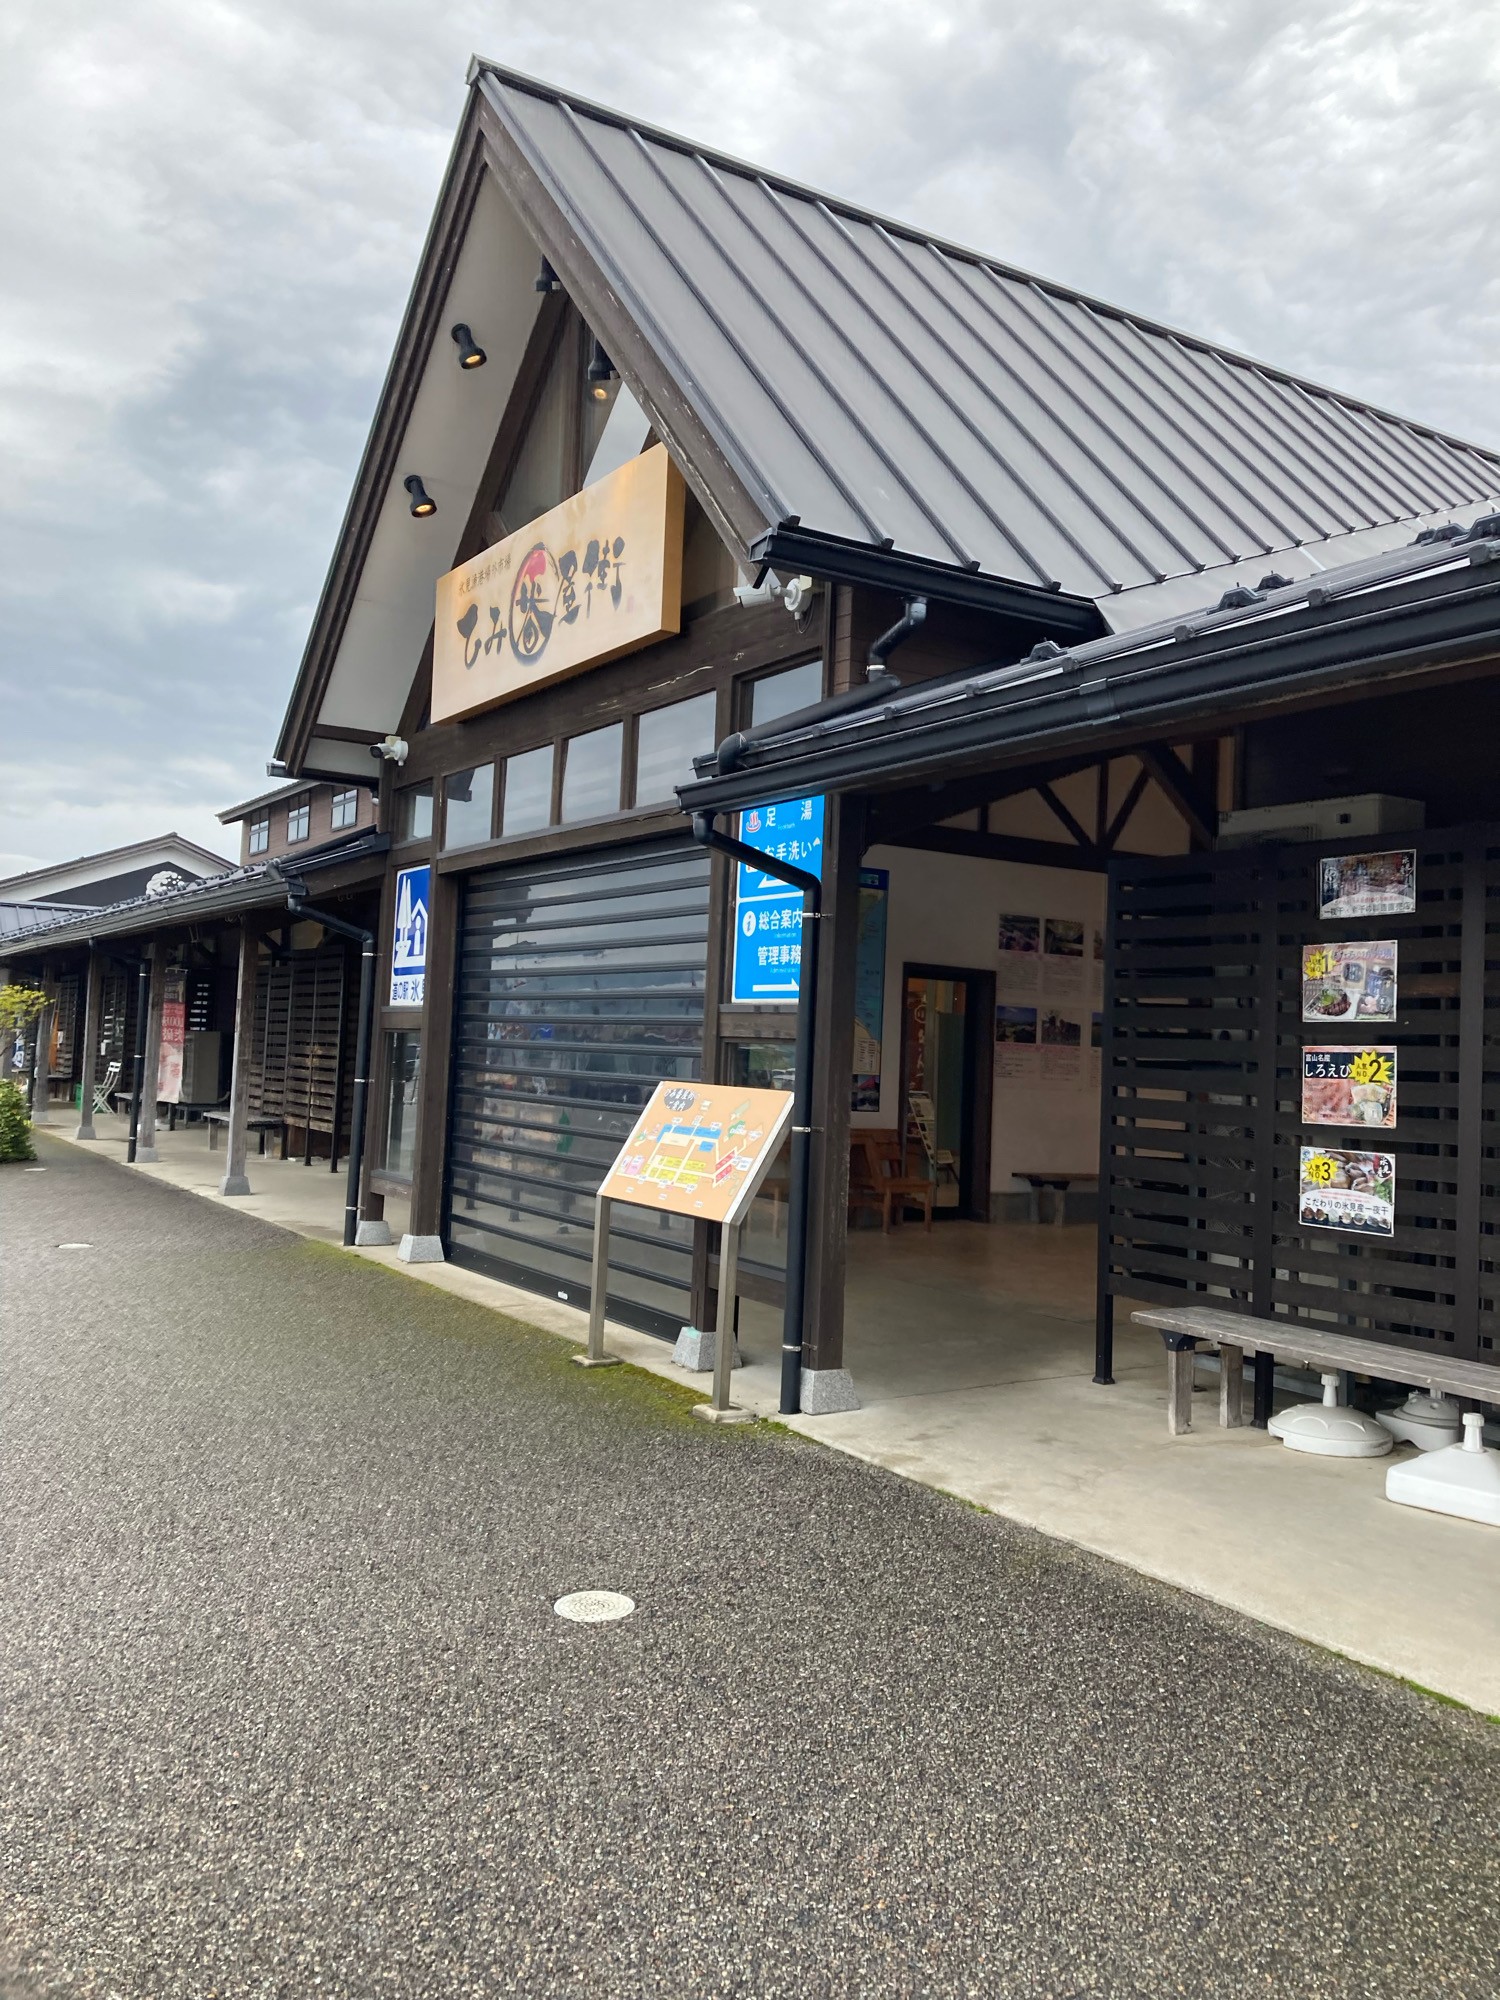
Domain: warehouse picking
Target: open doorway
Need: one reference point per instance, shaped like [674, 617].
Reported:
[947, 1074]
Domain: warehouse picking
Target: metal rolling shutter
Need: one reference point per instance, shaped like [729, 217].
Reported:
[580, 986]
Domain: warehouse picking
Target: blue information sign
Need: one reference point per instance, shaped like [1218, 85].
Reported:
[409, 950]
[767, 911]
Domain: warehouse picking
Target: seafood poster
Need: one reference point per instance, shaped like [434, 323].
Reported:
[1349, 1086]
[1341, 1190]
[1349, 982]
[1368, 885]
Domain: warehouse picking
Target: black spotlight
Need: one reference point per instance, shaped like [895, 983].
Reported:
[600, 373]
[422, 503]
[547, 279]
[470, 353]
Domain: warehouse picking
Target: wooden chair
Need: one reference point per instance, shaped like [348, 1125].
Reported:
[876, 1180]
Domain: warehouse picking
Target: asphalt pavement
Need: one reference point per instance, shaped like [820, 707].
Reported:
[285, 1709]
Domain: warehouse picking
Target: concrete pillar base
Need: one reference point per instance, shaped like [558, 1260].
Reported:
[86, 1132]
[147, 1156]
[420, 1250]
[372, 1235]
[697, 1348]
[826, 1391]
[234, 1184]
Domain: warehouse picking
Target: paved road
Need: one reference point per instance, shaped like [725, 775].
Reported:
[286, 1710]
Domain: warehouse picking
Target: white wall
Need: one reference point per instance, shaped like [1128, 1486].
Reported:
[944, 910]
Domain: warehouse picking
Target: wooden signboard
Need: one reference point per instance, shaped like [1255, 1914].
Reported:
[700, 1150]
[598, 576]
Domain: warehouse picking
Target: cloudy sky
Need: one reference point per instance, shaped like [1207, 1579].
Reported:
[211, 216]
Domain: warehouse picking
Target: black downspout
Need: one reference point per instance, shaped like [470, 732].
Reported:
[142, 1002]
[800, 1178]
[911, 620]
[296, 902]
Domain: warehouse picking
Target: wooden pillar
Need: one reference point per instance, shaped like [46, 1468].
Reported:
[235, 1181]
[825, 1384]
[423, 1241]
[89, 1042]
[145, 1142]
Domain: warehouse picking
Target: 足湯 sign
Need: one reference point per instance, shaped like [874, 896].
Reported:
[699, 1150]
[597, 576]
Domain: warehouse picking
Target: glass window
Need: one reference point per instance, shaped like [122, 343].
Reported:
[468, 806]
[345, 809]
[591, 773]
[414, 812]
[527, 804]
[598, 401]
[541, 473]
[260, 834]
[765, 1066]
[403, 1047]
[779, 694]
[668, 741]
[298, 819]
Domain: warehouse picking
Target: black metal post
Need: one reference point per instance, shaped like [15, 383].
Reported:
[142, 1003]
[799, 1179]
[300, 907]
[1265, 1385]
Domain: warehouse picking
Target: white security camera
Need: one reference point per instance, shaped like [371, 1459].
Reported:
[765, 592]
[797, 596]
[392, 748]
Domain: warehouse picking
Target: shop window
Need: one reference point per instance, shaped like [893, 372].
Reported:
[468, 806]
[414, 812]
[591, 773]
[345, 809]
[780, 694]
[260, 834]
[767, 1065]
[527, 804]
[403, 1047]
[668, 739]
[298, 820]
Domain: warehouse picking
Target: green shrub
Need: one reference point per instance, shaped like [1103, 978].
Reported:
[15, 1126]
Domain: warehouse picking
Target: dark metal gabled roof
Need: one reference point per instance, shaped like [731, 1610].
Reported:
[876, 388]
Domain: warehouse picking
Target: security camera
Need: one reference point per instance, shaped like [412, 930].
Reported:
[392, 748]
[798, 595]
[764, 592]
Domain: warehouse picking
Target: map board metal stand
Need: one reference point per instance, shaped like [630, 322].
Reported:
[701, 1151]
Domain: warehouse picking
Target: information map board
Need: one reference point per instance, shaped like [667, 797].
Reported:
[700, 1150]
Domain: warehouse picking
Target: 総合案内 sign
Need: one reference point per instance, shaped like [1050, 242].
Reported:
[767, 960]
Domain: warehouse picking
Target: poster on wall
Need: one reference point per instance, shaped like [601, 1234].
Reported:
[1349, 982]
[1019, 973]
[1349, 1086]
[173, 1035]
[1096, 1045]
[1063, 962]
[1061, 1047]
[1344, 1190]
[1368, 885]
[1015, 1043]
[869, 986]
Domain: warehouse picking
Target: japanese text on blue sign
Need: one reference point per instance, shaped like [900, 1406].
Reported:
[409, 948]
[767, 911]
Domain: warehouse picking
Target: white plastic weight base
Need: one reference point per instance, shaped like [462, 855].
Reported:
[1462, 1479]
[1330, 1429]
[1427, 1419]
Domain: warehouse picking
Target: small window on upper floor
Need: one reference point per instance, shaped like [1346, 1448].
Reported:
[299, 819]
[667, 741]
[591, 773]
[260, 834]
[779, 694]
[345, 809]
[414, 812]
[468, 806]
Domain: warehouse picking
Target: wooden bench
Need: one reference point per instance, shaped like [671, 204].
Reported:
[261, 1126]
[1236, 1334]
[1059, 1184]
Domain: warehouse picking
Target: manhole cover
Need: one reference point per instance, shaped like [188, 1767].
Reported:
[594, 1607]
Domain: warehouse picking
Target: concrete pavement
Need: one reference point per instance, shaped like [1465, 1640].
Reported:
[287, 1711]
